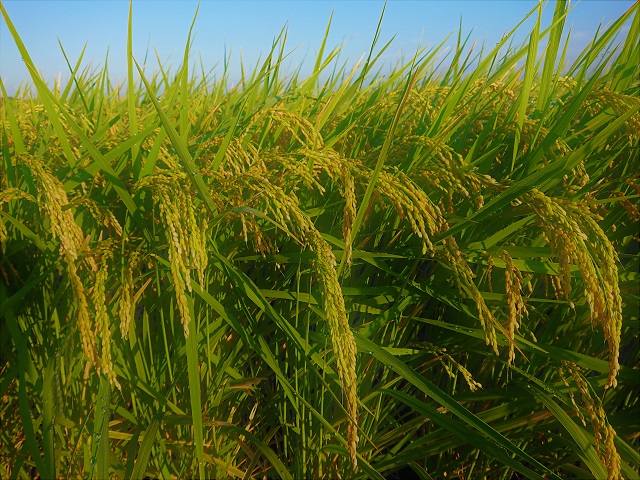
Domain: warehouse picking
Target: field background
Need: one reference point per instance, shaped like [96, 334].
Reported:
[358, 273]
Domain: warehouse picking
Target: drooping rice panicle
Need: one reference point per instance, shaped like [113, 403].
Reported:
[603, 433]
[102, 321]
[515, 304]
[577, 238]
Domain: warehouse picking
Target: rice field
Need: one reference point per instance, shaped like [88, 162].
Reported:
[426, 273]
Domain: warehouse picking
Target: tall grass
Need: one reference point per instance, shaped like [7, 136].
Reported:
[341, 276]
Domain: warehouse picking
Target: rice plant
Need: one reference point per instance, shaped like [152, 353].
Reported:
[350, 275]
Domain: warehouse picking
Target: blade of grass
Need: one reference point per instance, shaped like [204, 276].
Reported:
[16, 135]
[550, 57]
[626, 72]
[100, 438]
[30, 438]
[195, 390]
[587, 452]
[108, 171]
[545, 177]
[131, 96]
[585, 60]
[364, 204]
[184, 85]
[461, 431]
[144, 452]
[424, 385]
[522, 103]
[27, 232]
[275, 462]
[47, 98]
[455, 96]
[132, 447]
[108, 157]
[181, 149]
[73, 80]
[47, 420]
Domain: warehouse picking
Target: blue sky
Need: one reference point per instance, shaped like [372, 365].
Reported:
[250, 27]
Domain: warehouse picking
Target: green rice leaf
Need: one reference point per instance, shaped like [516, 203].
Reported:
[144, 452]
[445, 400]
[100, 437]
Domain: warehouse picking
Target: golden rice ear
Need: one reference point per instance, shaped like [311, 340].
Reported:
[185, 237]
[298, 127]
[349, 213]
[126, 306]
[170, 214]
[603, 433]
[443, 355]
[575, 236]
[54, 203]
[283, 208]
[102, 322]
[103, 216]
[464, 278]
[412, 203]
[87, 335]
[611, 319]
[444, 170]
[515, 304]
[342, 339]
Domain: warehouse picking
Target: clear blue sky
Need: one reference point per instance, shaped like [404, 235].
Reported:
[250, 27]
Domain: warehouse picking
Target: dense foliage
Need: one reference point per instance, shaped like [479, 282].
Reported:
[344, 275]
